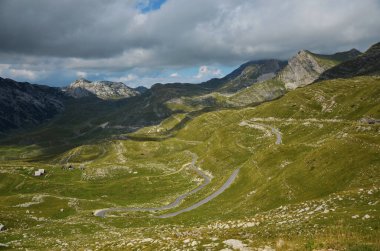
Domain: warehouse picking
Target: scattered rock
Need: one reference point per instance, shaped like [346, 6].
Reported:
[280, 243]
[236, 244]
[366, 217]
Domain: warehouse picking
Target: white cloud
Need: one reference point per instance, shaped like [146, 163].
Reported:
[81, 74]
[6, 70]
[21, 73]
[125, 79]
[206, 71]
[174, 75]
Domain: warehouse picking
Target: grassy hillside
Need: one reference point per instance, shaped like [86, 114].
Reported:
[318, 189]
[337, 58]
[250, 73]
[249, 96]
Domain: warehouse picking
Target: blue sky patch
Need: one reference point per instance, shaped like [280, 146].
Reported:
[149, 5]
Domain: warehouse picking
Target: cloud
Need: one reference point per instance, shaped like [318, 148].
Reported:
[25, 74]
[205, 71]
[118, 36]
[81, 74]
[125, 79]
[8, 71]
[174, 75]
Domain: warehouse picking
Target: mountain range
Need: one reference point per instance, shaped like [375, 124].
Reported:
[26, 105]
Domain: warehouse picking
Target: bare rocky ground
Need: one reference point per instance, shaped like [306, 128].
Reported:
[272, 230]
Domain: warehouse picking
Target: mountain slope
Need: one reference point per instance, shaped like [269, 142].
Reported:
[249, 74]
[258, 93]
[366, 64]
[101, 89]
[258, 81]
[305, 67]
[23, 105]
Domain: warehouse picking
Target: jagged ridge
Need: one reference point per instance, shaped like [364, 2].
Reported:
[101, 89]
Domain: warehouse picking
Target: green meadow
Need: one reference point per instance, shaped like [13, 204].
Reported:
[317, 190]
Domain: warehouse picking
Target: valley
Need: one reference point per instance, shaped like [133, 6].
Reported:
[290, 190]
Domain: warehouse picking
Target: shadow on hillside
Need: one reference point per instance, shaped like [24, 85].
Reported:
[92, 120]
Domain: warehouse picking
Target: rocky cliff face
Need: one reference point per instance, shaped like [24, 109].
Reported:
[305, 67]
[23, 105]
[101, 89]
[301, 70]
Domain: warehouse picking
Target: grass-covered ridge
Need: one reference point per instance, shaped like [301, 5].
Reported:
[319, 189]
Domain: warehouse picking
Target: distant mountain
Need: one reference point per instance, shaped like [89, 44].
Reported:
[141, 89]
[23, 104]
[101, 89]
[252, 83]
[366, 64]
[258, 81]
[250, 73]
[305, 67]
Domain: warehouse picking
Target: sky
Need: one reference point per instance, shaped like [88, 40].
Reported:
[142, 42]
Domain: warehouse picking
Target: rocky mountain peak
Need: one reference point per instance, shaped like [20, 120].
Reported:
[102, 89]
[354, 51]
[81, 81]
[302, 69]
[304, 53]
[306, 67]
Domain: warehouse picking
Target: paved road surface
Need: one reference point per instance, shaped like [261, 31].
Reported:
[226, 185]
[278, 135]
[176, 202]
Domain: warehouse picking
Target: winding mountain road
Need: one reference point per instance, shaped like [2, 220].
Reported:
[266, 128]
[178, 200]
[207, 199]
[278, 135]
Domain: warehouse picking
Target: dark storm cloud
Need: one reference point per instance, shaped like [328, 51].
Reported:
[114, 35]
[67, 28]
